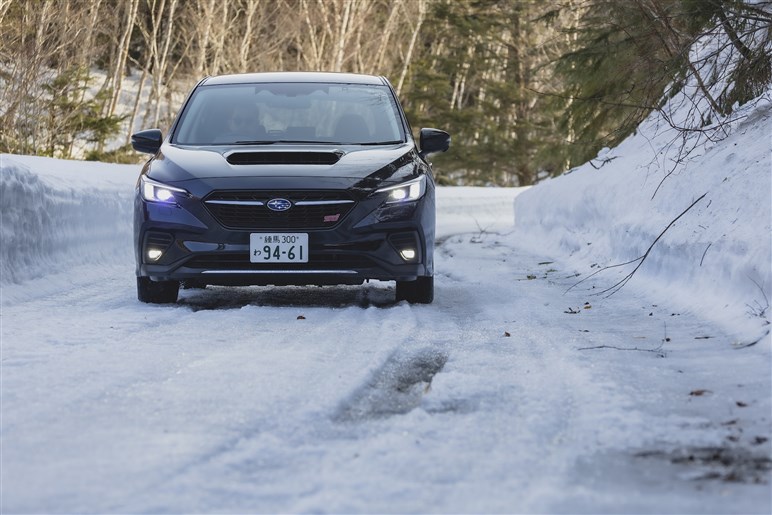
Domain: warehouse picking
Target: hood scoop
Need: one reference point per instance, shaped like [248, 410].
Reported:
[284, 158]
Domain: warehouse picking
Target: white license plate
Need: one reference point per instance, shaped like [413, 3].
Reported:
[278, 247]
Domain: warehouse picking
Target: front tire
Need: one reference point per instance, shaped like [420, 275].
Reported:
[192, 284]
[420, 291]
[161, 292]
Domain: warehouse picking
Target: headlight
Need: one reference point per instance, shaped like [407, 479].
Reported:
[405, 192]
[153, 191]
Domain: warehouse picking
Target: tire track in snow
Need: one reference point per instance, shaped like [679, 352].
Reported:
[180, 353]
[396, 387]
[393, 342]
[326, 380]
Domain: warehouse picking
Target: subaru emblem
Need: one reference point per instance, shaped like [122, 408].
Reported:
[279, 204]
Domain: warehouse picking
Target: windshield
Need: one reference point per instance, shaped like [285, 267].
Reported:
[255, 114]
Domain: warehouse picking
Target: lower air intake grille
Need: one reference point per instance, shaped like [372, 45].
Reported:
[158, 240]
[404, 240]
[240, 261]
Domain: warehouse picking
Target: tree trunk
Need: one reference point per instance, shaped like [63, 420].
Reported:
[137, 101]
[411, 47]
[203, 27]
[123, 53]
[376, 65]
[162, 61]
[246, 41]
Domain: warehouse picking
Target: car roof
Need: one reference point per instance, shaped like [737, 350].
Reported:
[329, 77]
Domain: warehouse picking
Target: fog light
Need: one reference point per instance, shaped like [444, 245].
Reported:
[154, 254]
[407, 254]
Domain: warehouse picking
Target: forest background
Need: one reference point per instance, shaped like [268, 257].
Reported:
[527, 88]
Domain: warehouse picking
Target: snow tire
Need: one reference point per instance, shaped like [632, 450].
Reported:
[420, 291]
[161, 292]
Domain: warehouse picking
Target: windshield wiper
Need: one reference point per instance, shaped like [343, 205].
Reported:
[313, 142]
[301, 142]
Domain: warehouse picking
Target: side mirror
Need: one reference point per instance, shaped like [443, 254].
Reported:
[433, 141]
[148, 141]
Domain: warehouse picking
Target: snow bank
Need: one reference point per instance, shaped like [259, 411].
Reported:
[56, 214]
[466, 209]
[715, 261]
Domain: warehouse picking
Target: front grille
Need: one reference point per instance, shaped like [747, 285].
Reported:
[317, 261]
[246, 209]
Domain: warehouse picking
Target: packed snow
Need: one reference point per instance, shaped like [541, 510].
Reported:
[507, 394]
[715, 260]
[526, 387]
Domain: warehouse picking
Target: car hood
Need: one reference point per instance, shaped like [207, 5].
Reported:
[202, 169]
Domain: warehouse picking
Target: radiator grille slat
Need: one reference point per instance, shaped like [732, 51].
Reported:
[310, 210]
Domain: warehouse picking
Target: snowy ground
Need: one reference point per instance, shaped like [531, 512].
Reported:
[508, 394]
[715, 260]
[519, 390]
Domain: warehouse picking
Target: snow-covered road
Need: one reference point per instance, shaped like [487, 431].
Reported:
[503, 396]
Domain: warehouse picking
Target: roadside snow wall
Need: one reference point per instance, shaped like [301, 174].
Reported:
[716, 260]
[58, 214]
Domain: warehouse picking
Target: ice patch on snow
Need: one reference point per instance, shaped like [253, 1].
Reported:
[396, 388]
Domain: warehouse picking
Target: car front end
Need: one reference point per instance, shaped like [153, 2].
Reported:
[285, 212]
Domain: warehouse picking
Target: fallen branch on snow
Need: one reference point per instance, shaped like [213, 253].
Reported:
[620, 284]
[658, 351]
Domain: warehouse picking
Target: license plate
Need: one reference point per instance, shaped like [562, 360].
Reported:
[278, 247]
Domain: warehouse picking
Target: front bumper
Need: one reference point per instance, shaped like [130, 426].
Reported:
[364, 245]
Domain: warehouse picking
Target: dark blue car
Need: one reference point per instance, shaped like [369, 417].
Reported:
[286, 179]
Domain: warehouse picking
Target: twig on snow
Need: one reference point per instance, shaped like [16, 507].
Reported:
[620, 284]
[703, 254]
[760, 310]
[658, 351]
[482, 232]
[603, 162]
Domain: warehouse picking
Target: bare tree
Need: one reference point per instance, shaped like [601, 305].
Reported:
[411, 46]
[122, 53]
